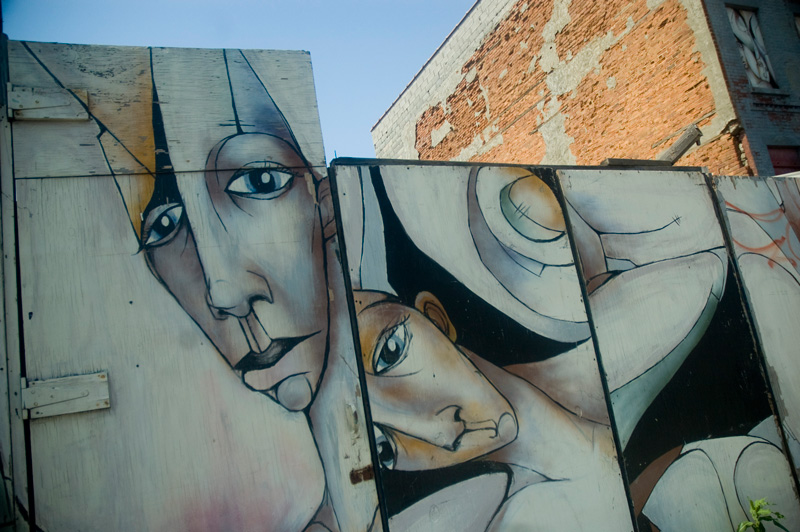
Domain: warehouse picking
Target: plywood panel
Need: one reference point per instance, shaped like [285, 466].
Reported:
[119, 84]
[184, 437]
[12, 443]
[690, 405]
[761, 215]
[476, 350]
[188, 248]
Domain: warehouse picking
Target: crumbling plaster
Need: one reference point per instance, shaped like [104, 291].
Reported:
[395, 134]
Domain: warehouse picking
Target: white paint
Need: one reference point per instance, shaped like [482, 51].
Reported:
[554, 132]
[395, 133]
[708, 486]
[478, 146]
[558, 20]
[548, 57]
[471, 74]
[567, 75]
[532, 65]
[771, 282]
[704, 43]
[438, 134]
[485, 94]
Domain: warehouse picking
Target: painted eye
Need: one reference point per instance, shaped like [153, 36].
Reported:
[392, 350]
[266, 182]
[162, 224]
[386, 452]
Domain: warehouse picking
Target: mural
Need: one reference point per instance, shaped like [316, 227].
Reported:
[404, 346]
[744, 24]
[486, 401]
[469, 311]
[228, 207]
[763, 217]
[688, 398]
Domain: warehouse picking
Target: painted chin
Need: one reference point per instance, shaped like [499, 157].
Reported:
[292, 380]
[293, 393]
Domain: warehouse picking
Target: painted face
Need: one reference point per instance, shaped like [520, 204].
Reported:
[240, 247]
[430, 405]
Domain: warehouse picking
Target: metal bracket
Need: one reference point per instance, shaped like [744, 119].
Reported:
[27, 103]
[66, 395]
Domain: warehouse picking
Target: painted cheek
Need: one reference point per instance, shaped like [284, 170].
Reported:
[178, 266]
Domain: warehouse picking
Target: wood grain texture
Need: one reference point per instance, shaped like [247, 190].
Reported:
[66, 395]
[676, 346]
[27, 103]
[14, 452]
[443, 295]
[767, 251]
[185, 443]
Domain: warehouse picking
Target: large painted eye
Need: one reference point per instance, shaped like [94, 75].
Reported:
[162, 224]
[392, 350]
[260, 181]
[386, 452]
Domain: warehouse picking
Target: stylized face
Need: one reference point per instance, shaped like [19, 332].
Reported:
[240, 247]
[430, 405]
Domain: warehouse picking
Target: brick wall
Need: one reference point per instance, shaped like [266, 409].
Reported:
[771, 117]
[573, 82]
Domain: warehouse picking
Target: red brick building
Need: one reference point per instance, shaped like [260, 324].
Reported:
[579, 81]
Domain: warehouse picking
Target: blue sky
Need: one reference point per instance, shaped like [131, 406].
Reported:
[364, 52]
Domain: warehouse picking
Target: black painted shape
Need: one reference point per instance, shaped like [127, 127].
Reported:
[362, 378]
[549, 176]
[737, 274]
[166, 185]
[481, 328]
[717, 392]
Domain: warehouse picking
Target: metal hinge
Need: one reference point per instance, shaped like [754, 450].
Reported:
[66, 395]
[28, 103]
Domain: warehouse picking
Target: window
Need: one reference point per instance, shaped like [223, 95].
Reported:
[751, 46]
[785, 159]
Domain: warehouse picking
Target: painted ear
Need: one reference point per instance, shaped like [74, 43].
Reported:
[433, 309]
[326, 208]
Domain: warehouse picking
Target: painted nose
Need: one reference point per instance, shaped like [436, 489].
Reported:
[233, 282]
[457, 415]
[450, 424]
[225, 297]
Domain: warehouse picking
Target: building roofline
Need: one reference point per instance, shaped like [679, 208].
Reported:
[424, 66]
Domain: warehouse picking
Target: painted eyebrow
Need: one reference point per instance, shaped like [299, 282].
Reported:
[389, 299]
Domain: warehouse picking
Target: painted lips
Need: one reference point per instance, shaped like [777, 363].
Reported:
[277, 349]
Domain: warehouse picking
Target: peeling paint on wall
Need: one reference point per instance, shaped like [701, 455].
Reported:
[564, 83]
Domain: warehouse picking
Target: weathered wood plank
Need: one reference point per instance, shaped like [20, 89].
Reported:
[760, 214]
[31, 103]
[183, 437]
[13, 448]
[65, 395]
[466, 320]
[189, 441]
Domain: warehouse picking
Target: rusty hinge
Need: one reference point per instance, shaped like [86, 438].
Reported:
[65, 395]
[28, 103]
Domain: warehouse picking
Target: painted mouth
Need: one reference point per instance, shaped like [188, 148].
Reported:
[275, 351]
[489, 425]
